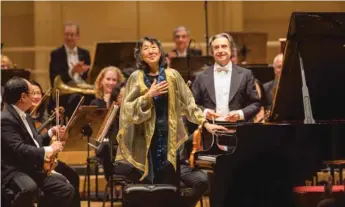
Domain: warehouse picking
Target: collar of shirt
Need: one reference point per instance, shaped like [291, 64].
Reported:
[219, 68]
[21, 113]
[73, 51]
[183, 54]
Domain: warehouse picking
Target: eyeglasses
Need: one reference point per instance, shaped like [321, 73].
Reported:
[34, 93]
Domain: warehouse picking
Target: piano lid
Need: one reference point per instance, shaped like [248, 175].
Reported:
[118, 54]
[319, 38]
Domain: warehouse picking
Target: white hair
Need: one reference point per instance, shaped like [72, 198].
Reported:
[277, 57]
[181, 28]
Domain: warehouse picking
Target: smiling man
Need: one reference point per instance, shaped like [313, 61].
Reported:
[226, 91]
[181, 38]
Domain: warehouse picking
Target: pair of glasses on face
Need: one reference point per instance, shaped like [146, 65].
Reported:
[34, 93]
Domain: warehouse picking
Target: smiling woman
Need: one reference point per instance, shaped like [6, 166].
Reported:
[151, 126]
[105, 82]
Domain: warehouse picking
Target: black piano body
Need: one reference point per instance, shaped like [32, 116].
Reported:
[306, 126]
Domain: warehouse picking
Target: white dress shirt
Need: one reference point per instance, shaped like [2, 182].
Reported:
[73, 59]
[183, 54]
[222, 86]
[23, 115]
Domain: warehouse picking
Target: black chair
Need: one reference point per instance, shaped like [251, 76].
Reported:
[118, 180]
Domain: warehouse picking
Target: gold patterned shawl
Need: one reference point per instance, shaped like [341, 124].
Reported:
[138, 118]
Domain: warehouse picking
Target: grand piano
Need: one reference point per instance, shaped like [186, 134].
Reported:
[306, 127]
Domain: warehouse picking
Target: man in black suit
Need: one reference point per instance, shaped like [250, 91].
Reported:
[23, 154]
[181, 37]
[71, 62]
[269, 86]
[226, 91]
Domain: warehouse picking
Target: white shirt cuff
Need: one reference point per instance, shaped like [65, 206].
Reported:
[48, 149]
[205, 111]
[50, 133]
[241, 114]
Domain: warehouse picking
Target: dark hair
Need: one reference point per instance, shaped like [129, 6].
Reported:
[42, 107]
[127, 72]
[228, 37]
[137, 53]
[14, 89]
[116, 91]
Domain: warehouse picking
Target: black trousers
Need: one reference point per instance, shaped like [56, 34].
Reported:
[56, 191]
[119, 168]
[73, 179]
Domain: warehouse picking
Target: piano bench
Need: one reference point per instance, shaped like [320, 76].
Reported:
[340, 164]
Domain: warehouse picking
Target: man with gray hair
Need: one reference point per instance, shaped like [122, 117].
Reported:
[226, 91]
[269, 86]
[182, 40]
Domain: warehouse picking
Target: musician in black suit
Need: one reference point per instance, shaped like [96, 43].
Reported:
[71, 63]
[226, 91]
[23, 154]
[269, 86]
[181, 37]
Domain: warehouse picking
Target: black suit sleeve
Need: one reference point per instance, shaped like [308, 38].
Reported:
[253, 98]
[12, 140]
[196, 90]
[57, 67]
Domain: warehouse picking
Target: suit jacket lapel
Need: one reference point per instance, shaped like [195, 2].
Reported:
[19, 120]
[64, 56]
[236, 79]
[209, 81]
[80, 55]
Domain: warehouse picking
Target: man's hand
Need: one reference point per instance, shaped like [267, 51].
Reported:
[60, 129]
[212, 128]
[211, 114]
[233, 116]
[57, 147]
[158, 89]
[80, 67]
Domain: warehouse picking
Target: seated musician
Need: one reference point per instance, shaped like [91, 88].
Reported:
[71, 63]
[181, 37]
[6, 63]
[151, 126]
[42, 124]
[225, 91]
[23, 154]
[104, 84]
[270, 86]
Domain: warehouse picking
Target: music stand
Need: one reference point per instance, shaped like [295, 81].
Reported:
[10, 73]
[88, 120]
[195, 64]
[118, 54]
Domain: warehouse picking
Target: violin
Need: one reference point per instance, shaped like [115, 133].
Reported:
[50, 163]
[42, 127]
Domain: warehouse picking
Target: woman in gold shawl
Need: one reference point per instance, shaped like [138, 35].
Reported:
[151, 126]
